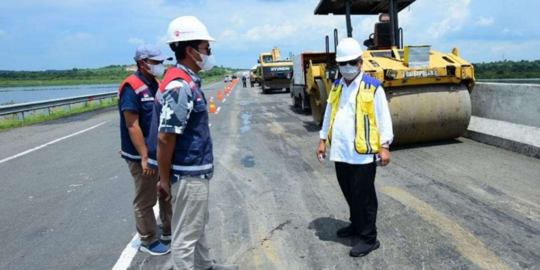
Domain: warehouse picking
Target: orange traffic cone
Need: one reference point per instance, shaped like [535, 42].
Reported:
[212, 106]
[219, 95]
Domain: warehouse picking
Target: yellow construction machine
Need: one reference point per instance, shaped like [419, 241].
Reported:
[273, 72]
[428, 91]
[253, 77]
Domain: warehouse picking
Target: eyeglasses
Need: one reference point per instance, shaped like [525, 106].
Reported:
[208, 49]
[352, 62]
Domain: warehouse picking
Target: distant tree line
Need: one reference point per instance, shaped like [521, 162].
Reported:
[109, 73]
[493, 70]
[508, 70]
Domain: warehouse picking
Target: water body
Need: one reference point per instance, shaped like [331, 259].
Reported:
[39, 93]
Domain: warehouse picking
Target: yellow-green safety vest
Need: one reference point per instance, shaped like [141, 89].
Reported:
[367, 139]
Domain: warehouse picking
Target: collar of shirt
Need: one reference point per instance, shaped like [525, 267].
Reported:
[192, 74]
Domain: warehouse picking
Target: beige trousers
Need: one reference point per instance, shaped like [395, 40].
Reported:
[189, 246]
[145, 199]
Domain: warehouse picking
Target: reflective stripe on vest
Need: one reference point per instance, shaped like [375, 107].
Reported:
[137, 84]
[174, 73]
[184, 168]
[367, 139]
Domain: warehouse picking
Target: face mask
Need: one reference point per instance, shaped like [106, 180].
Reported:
[207, 61]
[349, 72]
[156, 70]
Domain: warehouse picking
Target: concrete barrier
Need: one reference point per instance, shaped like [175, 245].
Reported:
[507, 116]
[514, 103]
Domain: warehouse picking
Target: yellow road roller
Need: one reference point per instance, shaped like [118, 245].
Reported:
[428, 91]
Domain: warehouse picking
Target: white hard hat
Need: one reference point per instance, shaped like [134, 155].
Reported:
[347, 50]
[187, 28]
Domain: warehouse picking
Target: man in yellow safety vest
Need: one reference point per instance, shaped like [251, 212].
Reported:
[358, 127]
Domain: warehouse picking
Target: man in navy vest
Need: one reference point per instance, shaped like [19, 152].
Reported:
[181, 144]
[135, 103]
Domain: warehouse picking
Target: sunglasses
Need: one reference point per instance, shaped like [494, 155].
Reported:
[352, 62]
[209, 50]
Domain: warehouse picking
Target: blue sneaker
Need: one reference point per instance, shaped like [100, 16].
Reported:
[156, 248]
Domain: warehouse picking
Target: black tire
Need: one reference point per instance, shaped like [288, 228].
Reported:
[304, 104]
[296, 101]
[288, 90]
[324, 98]
[317, 111]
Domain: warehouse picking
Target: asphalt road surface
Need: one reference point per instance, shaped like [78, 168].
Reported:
[66, 197]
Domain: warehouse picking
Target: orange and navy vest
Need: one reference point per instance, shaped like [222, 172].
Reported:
[193, 152]
[145, 92]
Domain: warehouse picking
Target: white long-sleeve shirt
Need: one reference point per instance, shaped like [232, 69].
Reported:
[344, 131]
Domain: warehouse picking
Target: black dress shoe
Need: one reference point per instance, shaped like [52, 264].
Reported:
[362, 249]
[347, 231]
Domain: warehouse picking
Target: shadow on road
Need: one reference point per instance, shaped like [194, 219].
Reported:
[325, 229]
[425, 145]
[310, 126]
[272, 92]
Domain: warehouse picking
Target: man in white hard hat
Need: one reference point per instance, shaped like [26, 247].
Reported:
[181, 144]
[358, 127]
[135, 103]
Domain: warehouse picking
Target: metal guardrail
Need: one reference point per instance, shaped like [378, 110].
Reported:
[22, 109]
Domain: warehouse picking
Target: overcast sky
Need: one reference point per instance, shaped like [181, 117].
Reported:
[63, 34]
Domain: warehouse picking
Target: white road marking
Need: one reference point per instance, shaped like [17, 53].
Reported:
[218, 109]
[49, 143]
[224, 100]
[132, 247]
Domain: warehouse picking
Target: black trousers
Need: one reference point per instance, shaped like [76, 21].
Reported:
[357, 183]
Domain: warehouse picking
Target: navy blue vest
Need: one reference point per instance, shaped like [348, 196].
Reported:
[145, 91]
[193, 152]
